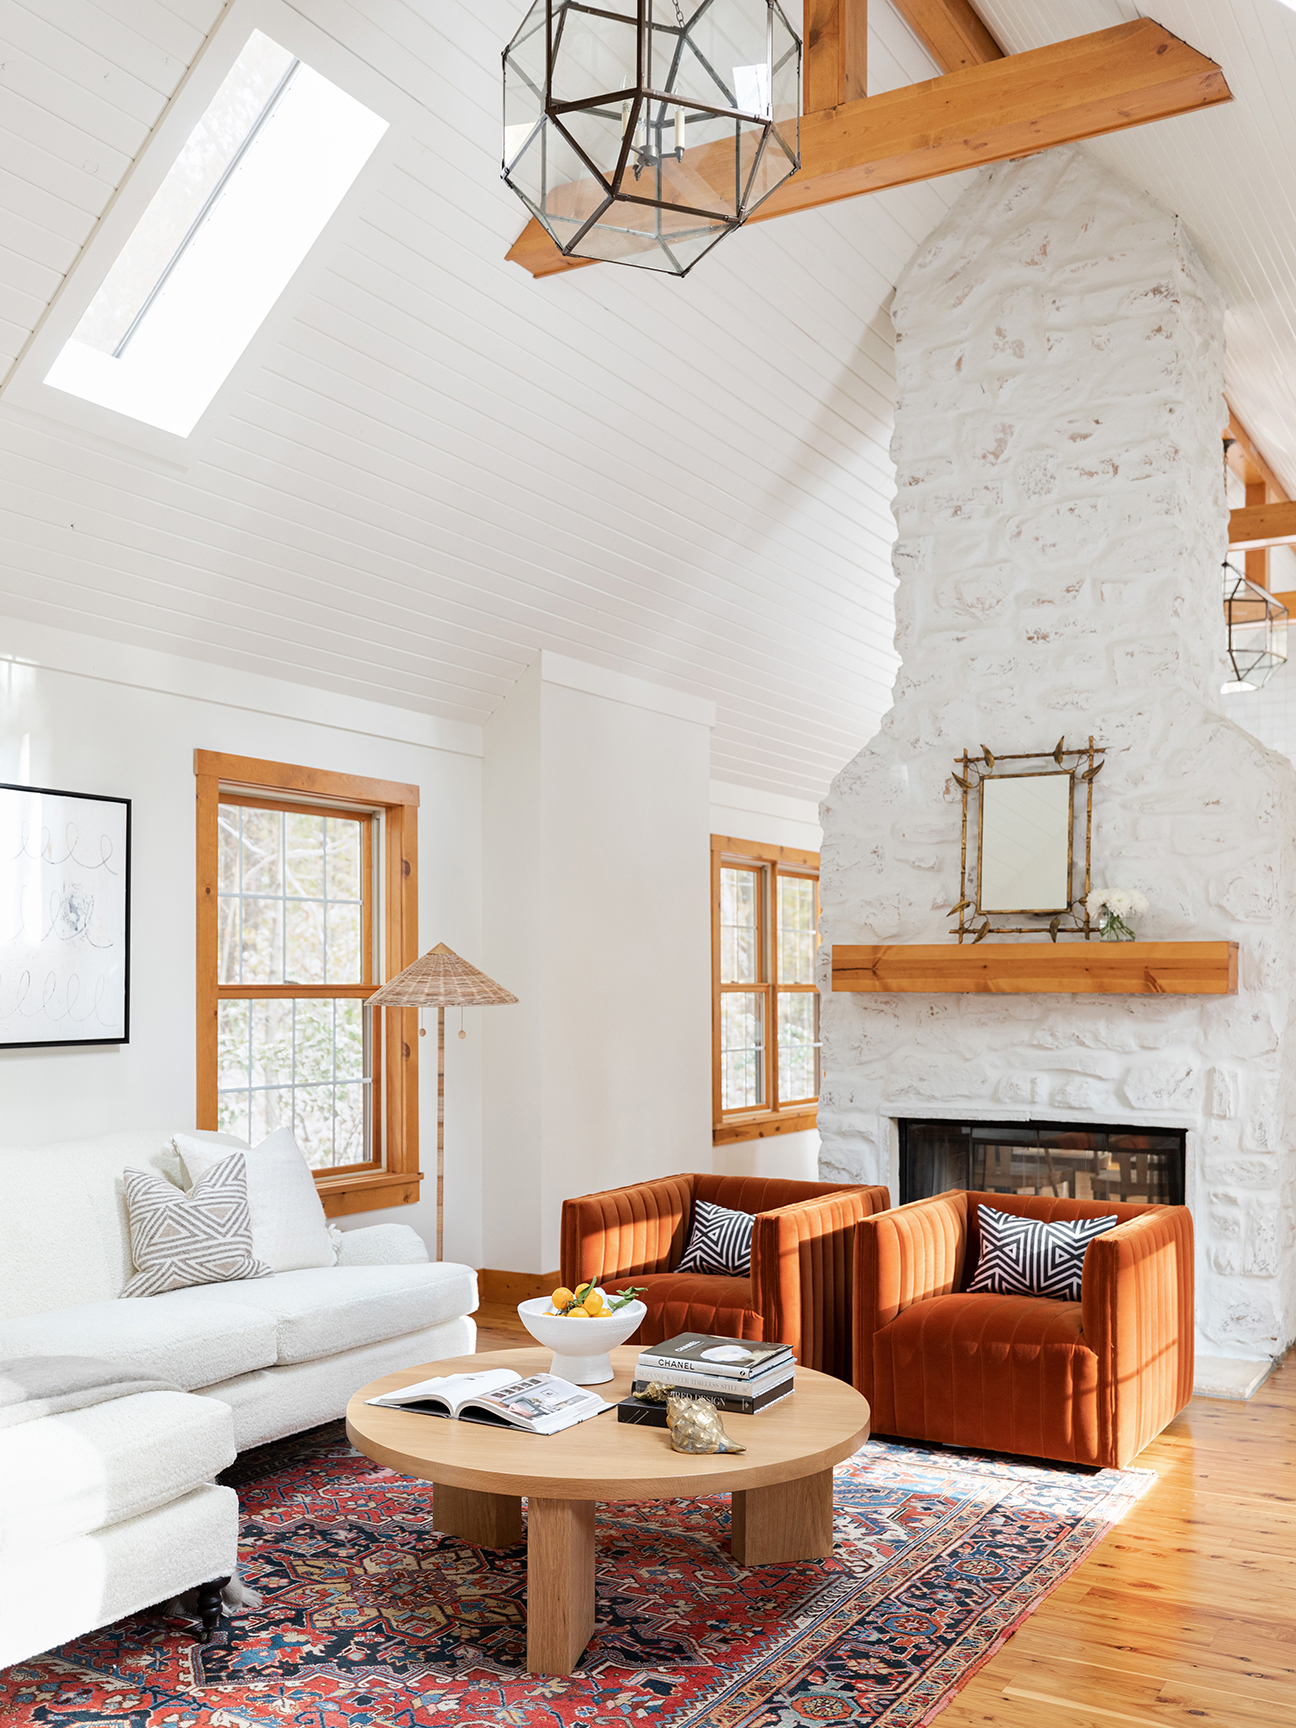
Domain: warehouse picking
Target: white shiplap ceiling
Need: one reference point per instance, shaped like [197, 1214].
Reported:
[436, 467]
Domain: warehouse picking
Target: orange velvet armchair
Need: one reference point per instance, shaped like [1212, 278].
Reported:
[801, 1264]
[1088, 1382]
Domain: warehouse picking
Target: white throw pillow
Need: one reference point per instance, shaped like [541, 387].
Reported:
[289, 1229]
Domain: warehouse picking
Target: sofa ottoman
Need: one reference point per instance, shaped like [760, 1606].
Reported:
[108, 1510]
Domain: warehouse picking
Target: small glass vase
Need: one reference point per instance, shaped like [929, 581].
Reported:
[1113, 928]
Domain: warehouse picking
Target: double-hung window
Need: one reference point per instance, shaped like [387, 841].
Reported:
[305, 903]
[765, 1004]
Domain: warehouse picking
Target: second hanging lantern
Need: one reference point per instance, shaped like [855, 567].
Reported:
[643, 133]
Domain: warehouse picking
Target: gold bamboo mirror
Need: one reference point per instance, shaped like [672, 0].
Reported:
[1019, 840]
[1024, 827]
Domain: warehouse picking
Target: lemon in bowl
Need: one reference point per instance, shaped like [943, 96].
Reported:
[581, 1337]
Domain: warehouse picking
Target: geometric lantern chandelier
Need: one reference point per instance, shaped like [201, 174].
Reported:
[1257, 632]
[643, 131]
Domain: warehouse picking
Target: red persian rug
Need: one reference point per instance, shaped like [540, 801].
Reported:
[371, 1620]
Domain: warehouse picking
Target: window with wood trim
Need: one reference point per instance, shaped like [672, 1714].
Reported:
[307, 886]
[765, 1003]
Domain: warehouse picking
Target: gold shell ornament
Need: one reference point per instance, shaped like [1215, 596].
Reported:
[695, 1426]
[654, 1393]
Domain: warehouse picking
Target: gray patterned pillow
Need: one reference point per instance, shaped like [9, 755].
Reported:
[202, 1237]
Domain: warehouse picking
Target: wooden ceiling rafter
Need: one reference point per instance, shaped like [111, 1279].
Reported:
[1263, 488]
[951, 31]
[1262, 525]
[1269, 516]
[834, 67]
[987, 111]
[1247, 461]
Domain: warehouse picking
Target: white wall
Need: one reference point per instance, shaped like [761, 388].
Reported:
[596, 913]
[770, 819]
[747, 813]
[87, 716]
[589, 844]
[513, 916]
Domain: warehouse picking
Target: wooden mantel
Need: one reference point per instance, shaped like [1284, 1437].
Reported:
[1022, 968]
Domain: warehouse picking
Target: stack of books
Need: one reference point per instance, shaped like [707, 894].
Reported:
[736, 1374]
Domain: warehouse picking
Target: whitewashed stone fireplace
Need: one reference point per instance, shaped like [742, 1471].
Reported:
[1062, 525]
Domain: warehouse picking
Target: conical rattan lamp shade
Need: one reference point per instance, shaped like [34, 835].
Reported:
[440, 979]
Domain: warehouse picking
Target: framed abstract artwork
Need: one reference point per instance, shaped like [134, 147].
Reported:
[64, 918]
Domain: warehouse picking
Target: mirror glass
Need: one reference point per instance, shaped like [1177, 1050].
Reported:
[1025, 843]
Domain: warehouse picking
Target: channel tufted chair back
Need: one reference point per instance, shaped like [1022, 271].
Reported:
[1088, 1382]
[802, 1263]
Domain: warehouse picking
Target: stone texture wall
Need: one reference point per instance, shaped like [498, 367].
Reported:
[1061, 529]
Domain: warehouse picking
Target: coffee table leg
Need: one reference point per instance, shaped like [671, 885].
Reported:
[789, 1521]
[485, 1520]
[560, 1583]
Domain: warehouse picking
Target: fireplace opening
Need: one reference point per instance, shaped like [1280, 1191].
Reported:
[1073, 1162]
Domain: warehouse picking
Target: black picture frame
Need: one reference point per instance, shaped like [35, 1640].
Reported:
[8, 923]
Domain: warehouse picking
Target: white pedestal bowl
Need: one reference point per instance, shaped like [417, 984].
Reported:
[580, 1347]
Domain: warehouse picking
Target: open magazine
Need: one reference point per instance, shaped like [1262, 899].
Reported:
[541, 1404]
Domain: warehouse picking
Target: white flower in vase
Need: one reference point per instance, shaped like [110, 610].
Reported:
[1112, 909]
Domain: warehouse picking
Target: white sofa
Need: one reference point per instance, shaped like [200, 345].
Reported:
[284, 1352]
[114, 1508]
[108, 1510]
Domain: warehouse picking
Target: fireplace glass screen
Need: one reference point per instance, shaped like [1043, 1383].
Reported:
[1052, 1158]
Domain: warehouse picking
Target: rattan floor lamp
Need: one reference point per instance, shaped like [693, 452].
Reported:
[440, 979]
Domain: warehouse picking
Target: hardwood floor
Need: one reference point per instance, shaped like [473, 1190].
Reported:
[1185, 1614]
[498, 1327]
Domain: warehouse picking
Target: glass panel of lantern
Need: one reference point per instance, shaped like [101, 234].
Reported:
[1257, 632]
[650, 169]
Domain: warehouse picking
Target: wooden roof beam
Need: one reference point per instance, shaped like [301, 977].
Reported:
[1015, 106]
[834, 68]
[950, 31]
[1262, 487]
[1247, 462]
[1262, 525]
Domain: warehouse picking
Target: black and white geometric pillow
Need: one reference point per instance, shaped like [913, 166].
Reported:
[719, 1242]
[1027, 1257]
[202, 1237]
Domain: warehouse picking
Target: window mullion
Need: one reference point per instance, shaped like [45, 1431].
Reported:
[771, 1035]
[240, 898]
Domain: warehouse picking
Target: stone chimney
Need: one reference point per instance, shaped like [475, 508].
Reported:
[1062, 525]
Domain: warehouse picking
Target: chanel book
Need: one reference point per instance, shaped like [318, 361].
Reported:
[735, 1358]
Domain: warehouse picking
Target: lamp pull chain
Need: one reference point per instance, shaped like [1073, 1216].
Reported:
[462, 1033]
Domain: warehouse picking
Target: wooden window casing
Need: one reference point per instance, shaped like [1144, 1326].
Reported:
[768, 863]
[391, 1179]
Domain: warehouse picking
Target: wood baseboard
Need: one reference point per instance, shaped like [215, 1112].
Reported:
[514, 1287]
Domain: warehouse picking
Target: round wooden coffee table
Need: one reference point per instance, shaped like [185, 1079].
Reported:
[781, 1485]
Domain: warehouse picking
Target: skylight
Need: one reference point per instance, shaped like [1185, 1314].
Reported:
[243, 203]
